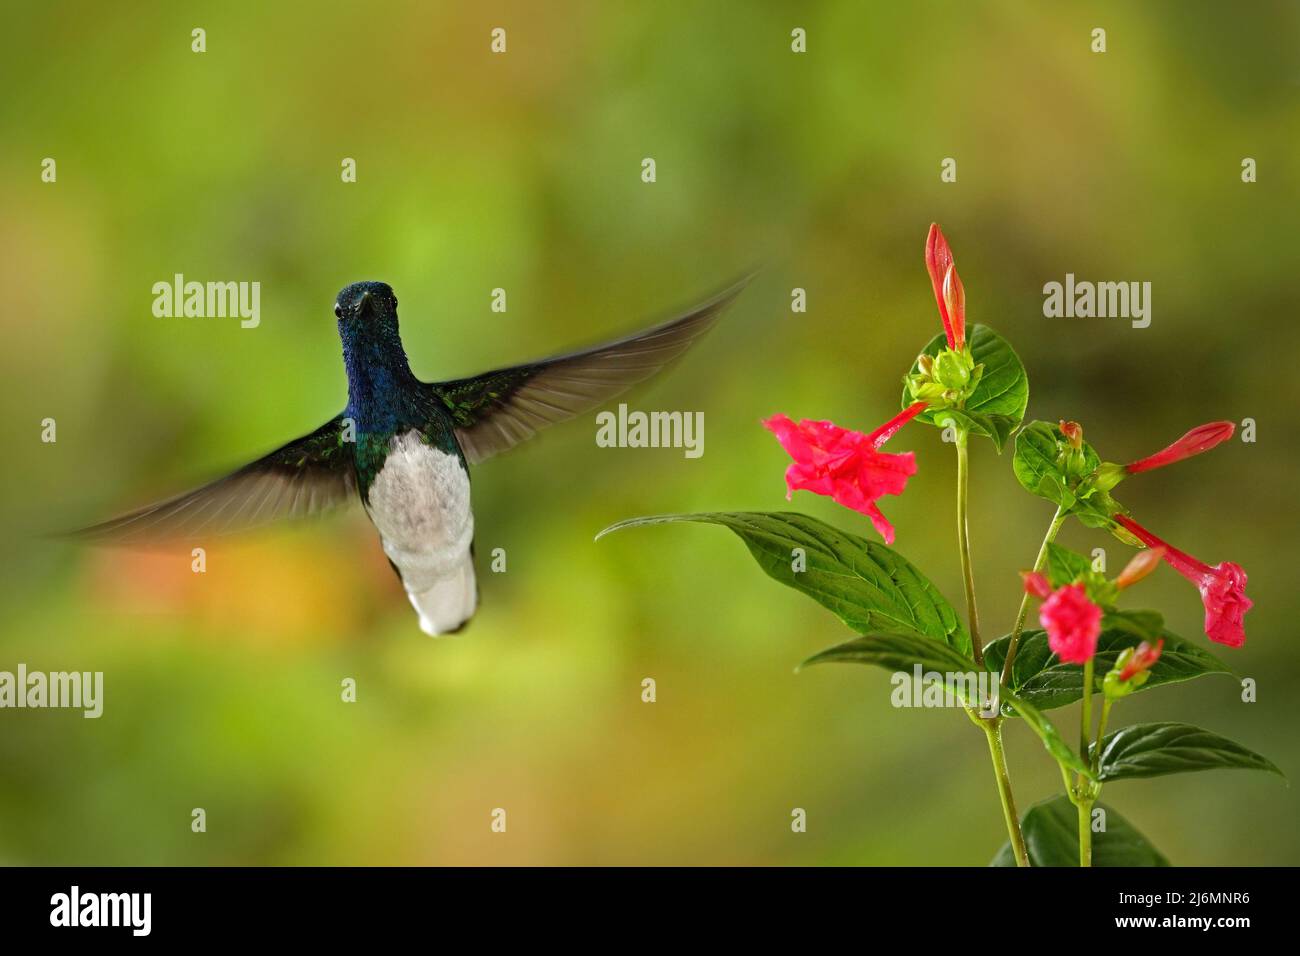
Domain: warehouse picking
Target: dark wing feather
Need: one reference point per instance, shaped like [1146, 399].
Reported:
[499, 409]
[305, 477]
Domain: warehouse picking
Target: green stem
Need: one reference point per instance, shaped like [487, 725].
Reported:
[993, 730]
[992, 727]
[1085, 833]
[963, 547]
[1058, 519]
[1086, 795]
[1101, 732]
[1085, 724]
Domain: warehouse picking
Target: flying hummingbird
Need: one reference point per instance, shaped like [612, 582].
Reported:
[403, 448]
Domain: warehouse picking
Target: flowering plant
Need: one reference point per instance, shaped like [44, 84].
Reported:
[970, 382]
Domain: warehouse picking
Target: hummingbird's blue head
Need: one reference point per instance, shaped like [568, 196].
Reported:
[367, 316]
[363, 301]
[372, 347]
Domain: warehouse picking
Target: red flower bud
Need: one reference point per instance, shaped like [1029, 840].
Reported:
[1036, 583]
[1223, 588]
[1142, 660]
[1072, 623]
[1142, 564]
[1073, 433]
[1199, 439]
[846, 465]
[948, 291]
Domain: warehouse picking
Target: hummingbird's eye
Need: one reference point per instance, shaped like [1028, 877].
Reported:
[338, 311]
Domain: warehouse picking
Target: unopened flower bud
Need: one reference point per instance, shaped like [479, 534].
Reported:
[1143, 563]
[1131, 669]
[954, 298]
[952, 369]
[948, 293]
[1036, 584]
[1073, 462]
[924, 390]
[1199, 439]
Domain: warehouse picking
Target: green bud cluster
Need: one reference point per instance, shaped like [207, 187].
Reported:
[1072, 461]
[945, 380]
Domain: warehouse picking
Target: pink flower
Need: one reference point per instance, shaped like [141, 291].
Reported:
[1223, 588]
[948, 291]
[1144, 657]
[1199, 439]
[1072, 623]
[846, 465]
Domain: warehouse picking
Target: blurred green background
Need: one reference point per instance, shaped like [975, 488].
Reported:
[522, 171]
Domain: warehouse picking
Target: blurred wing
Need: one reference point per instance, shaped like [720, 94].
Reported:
[305, 477]
[499, 409]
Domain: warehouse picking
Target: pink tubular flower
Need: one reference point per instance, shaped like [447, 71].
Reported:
[1072, 623]
[1144, 657]
[1223, 588]
[846, 465]
[948, 291]
[1199, 439]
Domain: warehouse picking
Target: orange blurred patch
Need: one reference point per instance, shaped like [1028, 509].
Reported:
[301, 588]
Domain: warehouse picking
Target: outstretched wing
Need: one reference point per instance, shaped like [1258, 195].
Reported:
[499, 409]
[305, 477]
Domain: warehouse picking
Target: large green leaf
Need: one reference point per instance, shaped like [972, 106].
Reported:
[1051, 830]
[896, 652]
[998, 403]
[905, 653]
[872, 588]
[1039, 677]
[1150, 750]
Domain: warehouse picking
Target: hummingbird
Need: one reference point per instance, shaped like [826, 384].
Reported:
[403, 448]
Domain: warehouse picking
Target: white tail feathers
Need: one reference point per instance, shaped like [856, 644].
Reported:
[449, 602]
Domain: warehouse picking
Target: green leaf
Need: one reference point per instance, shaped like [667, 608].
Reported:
[1051, 831]
[1143, 625]
[896, 652]
[1052, 740]
[1065, 566]
[1040, 678]
[997, 405]
[1150, 750]
[1068, 567]
[870, 587]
